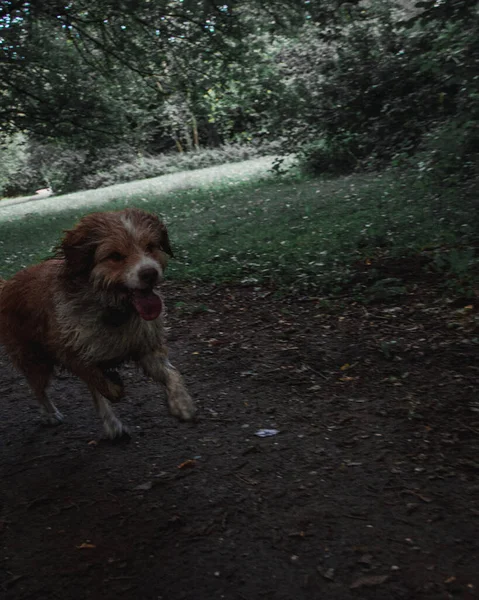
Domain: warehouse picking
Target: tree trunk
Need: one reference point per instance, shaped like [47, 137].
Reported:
[196, 141]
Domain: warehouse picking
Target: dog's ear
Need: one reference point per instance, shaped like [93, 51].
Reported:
[165, 240]
[78, 248]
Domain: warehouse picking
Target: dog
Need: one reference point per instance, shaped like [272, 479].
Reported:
[93, 306]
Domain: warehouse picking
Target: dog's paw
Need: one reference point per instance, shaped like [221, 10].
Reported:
[51, 418]
[181, 406]
[114, 428]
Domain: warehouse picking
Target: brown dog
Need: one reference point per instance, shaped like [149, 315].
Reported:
[91, 308]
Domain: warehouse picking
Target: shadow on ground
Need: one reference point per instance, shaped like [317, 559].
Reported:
[369, 490]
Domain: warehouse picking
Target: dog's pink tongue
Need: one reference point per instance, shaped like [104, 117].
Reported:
[148, 304]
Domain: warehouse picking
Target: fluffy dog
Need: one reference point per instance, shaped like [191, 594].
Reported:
[94, 306]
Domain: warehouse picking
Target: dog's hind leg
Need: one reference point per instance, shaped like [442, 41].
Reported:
[38, 376]
[159, 368]
[112, 425]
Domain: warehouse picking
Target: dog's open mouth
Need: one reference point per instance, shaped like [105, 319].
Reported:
[147, 303]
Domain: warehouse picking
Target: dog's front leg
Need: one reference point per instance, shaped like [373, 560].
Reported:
[114, 428]
[159, 368]
[95, 378]
[102, 389]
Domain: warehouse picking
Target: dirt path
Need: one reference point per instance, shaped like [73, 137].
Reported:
[231, 173]
[369, 490]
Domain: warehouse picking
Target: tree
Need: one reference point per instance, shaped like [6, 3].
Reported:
[66, 66]
[55, 57]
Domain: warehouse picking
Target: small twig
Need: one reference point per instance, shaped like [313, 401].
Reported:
[469, 428]
[8, 584]
[316, 372]
[39, 500]
[34, 458]
[224, 519]
[28, 461]
[359, 518]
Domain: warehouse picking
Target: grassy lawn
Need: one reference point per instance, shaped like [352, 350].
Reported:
[296, 233]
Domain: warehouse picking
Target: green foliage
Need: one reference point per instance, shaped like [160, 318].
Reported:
[334, 156]
[300, 235]
[28, 166]
[346, 86]
[55, 164]
[380, 88]
[449, 154]
[144, 167]
[154, 74]
[14, 174]
[56, 56]
[460, 269]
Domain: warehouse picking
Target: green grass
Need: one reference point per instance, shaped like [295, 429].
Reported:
[296, 233]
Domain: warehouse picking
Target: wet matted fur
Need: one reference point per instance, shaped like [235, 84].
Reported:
[94, 306]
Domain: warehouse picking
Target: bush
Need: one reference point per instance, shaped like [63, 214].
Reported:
[58, 166]
[379, 89]
[144, 167]
[450, 154]
[334, 156]
[28, 166]
[16, 177]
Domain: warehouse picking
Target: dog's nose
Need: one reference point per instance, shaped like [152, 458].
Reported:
[149, 276]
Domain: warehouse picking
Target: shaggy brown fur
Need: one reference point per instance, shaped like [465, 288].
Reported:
[93, 307]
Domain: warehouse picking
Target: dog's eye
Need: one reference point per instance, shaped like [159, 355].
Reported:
[115, 256]
[150, 248]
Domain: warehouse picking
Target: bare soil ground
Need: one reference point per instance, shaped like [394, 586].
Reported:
[369, 490]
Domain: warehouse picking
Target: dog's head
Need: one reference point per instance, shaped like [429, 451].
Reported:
[122, 255]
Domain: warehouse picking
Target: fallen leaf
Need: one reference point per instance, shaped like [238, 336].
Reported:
[424, 498]
[345, 367]
[86, 545]
[450, 579]
[301, 534]
[144, 486]
[369, 581]
[472, 464]
[12, 581]
[188, 464]
[247, 479]
[418, 495]
[93, 443]
[326, 573]
[366, 559]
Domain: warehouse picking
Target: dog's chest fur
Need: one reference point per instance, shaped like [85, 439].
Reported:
[100, 335]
